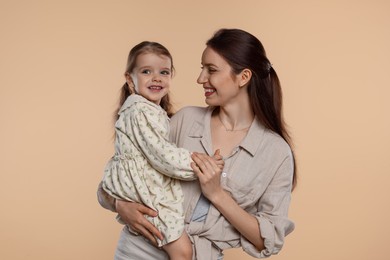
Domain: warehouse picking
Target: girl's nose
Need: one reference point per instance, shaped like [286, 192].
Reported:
[156, 78]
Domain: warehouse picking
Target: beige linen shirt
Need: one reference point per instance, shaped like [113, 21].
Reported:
[146, 166]
[258, 176]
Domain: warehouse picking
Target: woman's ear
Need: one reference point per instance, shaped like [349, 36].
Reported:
[244, 77]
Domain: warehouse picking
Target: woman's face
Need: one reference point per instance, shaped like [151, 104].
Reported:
[152, 76]
[220, 85]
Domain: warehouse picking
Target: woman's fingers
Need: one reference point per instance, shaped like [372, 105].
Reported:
[146, 231]
[149, 226]
[219, 159]
[209, 175]
[205, 163]
[147, 211]
[205, 167]
[133, 214]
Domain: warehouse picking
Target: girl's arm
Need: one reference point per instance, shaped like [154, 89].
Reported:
[150, 130]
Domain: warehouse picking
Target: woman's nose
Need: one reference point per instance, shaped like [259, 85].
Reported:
[201, 78]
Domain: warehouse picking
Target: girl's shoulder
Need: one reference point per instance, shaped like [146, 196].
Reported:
[138, 103]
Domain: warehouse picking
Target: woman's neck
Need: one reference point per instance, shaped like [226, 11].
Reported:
[235, 117]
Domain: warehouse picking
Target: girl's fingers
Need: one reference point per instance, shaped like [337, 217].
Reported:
[194, 167]
[200, 162]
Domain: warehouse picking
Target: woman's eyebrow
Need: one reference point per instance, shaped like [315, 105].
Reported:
[209, 65]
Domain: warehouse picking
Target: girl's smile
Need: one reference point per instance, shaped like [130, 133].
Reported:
[152, 76]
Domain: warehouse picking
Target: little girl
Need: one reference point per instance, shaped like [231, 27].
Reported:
[146, 168]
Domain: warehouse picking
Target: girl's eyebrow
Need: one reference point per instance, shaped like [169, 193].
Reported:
[149, 67]
[144, 67]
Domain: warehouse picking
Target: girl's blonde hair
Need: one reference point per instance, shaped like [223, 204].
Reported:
[145, 47]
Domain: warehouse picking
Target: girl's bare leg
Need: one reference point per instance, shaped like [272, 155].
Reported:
[180, 249]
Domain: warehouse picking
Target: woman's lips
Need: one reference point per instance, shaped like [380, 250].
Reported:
[208, 91]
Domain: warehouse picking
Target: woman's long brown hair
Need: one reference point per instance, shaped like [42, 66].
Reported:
[243, 50]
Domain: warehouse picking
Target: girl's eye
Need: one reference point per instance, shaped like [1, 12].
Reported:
[146, 71]
[165, 72]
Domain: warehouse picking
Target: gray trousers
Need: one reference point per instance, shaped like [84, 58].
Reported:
[132, 247]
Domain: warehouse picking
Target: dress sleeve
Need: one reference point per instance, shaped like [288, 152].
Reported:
[150, 128]
[272, 214]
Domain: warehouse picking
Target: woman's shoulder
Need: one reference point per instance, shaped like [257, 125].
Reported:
[186, 116]
[274, 143]
[191, 112]
[193, 109]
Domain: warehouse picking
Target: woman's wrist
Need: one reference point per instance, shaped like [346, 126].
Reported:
[218, 197]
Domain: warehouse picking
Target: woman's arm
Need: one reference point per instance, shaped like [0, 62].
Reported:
[209, 175]
[132, 214]
[263, 232]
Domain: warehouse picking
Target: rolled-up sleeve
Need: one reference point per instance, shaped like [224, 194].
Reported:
[104, 199]
[272, 214]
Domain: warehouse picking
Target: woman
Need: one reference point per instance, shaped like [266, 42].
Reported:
[247, 204]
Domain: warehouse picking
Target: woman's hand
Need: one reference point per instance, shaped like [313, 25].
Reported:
[132, 214]
[208, 169]
[219, 159]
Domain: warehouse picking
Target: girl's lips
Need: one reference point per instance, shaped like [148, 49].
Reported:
[155, 88]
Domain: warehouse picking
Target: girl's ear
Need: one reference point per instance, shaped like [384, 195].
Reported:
[128, 78]
[244, 77]
[130, 82]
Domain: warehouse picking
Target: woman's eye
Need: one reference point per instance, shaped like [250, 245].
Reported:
[209, 69]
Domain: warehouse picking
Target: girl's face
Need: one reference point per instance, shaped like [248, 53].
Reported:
[151, 76]
[221, 87]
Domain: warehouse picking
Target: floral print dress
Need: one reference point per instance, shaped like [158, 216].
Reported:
[146, 167]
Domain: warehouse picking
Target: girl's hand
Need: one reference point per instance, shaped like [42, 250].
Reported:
[209, 173]
[132, 214]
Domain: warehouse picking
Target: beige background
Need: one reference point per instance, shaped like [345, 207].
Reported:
[61, 66]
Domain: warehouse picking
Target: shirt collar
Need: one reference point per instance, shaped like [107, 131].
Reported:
[254, 137]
